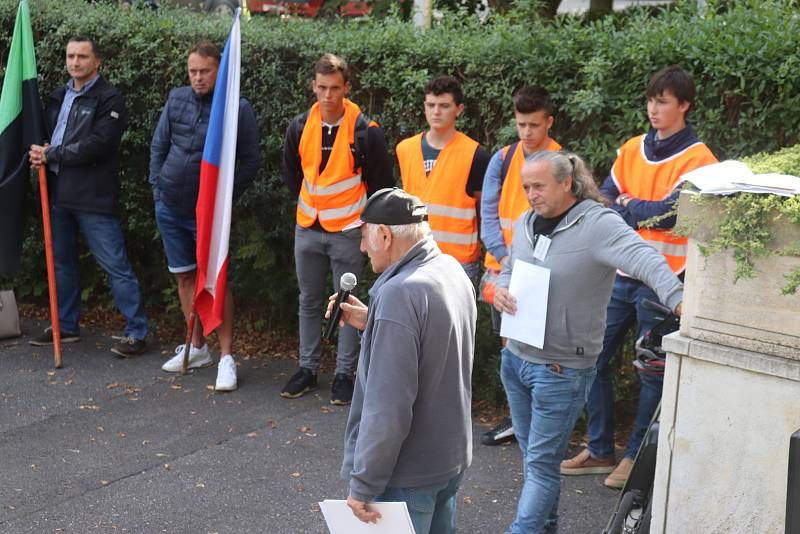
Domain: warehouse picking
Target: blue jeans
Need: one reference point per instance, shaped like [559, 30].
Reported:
[473, 271]
[103, 236]
[179, 235]
[545, 401]
[432, 508]
[625, 308]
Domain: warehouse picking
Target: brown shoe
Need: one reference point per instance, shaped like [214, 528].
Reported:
[619, 477]
[585, 464]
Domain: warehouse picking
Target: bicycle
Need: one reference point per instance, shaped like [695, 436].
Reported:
[633, 512]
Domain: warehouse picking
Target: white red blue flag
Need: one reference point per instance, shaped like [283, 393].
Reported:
[214, 201]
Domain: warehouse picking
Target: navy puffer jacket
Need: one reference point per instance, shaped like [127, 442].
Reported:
[177, 149]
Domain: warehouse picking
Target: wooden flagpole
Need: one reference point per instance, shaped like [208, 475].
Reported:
[51, 268]
[190, 326]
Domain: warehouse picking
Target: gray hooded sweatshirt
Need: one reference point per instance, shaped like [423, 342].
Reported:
[586, 249]
[410, 422]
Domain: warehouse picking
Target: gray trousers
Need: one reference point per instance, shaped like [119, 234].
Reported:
[315, 254]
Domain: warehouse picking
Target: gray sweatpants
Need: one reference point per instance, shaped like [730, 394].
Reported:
[315, 253]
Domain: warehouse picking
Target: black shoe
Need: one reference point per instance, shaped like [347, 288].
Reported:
[46, 338]
[502, 433]
[341, 389]
[301, 383]
[129, 346]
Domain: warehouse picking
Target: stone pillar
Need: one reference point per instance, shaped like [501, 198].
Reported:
[726, 419]
[731, 398]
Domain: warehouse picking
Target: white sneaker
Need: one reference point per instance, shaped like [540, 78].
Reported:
[197, 358]
[226, 374]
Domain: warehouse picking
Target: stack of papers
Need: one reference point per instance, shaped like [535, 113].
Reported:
[340, 519]
[735, 177]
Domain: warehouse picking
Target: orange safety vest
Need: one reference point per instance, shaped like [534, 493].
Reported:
[641, 178]
[451, 212]
[513, 201]
[337, 195]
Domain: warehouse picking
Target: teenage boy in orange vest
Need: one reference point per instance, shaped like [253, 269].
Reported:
[642, 185]
[445, 168]
[333, 159]
[503, 200]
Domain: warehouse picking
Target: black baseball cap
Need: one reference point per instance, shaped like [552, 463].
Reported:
[391, 206]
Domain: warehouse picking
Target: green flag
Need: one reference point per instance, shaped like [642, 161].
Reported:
[21, 124]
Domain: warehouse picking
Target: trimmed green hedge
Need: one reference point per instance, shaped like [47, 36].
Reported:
[744, 60]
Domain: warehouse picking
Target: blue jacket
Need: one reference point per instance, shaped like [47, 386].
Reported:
[177, 149]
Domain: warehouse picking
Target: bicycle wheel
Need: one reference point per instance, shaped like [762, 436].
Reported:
[626, 504]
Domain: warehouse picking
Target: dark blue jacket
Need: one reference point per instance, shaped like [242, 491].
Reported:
[177, 149]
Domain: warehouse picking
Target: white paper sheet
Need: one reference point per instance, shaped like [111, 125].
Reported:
[530, 285]
[340, 518]
[735, 177]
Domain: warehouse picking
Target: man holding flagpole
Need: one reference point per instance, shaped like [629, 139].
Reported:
[204, 154]
[85, 121]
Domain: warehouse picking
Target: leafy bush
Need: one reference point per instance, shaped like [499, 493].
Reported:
[745, 221]
[744, 60]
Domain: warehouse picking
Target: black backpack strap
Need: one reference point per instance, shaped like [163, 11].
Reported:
[507, 162]
[361, 145]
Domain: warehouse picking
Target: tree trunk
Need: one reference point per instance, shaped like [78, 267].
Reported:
[549, 8]
[598, 8]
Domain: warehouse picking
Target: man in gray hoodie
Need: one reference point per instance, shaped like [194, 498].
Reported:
[409, 432]
[582, 244]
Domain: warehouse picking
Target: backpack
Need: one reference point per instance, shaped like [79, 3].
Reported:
[507, 162]
[360, 146]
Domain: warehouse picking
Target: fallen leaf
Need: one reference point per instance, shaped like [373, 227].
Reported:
[467, 500]
[199, 485]
[296, 474]
[121, 434]
[272, 423]
[252, 434]
[176, 386]
[210, 386]
[90, 407]
[304, 429]
[104, 482]
[325, 409]
[112, 385]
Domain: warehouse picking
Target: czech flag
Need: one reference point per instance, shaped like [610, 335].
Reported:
[214, 200]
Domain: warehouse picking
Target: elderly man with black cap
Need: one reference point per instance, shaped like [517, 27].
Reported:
[409, 432]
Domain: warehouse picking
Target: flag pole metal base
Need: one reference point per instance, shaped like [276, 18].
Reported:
[190, 326]
[51, 269]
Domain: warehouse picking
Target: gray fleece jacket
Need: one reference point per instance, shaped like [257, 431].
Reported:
[410, 421]
[587, 248]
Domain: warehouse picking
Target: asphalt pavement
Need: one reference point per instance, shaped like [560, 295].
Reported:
[107, 444]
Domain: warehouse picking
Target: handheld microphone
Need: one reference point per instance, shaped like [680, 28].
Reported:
[346, 285]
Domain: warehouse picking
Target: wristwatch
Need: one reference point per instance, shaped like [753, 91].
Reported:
[623, 199]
